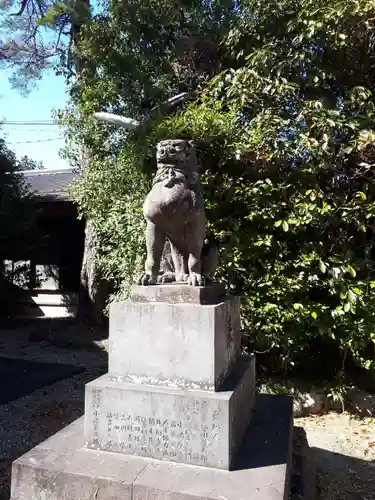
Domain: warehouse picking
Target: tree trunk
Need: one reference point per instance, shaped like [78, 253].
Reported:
[94, 290]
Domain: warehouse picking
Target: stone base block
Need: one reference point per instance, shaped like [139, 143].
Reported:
[62, 469]
[180, 425]
[196, 345]
[179, 293]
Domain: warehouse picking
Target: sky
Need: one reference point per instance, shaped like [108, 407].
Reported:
[40, 143]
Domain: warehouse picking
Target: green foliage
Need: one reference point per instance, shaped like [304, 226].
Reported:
[285, 129]
[27, 163]
[298, 227]
[17, 228]
[136, 55]
[111, 196]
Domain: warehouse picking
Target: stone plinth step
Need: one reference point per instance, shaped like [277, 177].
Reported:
[178, 424]
[62, 469]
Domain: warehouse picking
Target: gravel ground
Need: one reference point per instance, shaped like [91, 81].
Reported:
[15, 343]
[33, 418]
[344, 450]
[344, 446]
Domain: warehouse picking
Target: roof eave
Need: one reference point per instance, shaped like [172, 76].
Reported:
[53, 197]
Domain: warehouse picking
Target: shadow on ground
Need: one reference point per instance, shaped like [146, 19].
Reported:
[50, 415]
[340, 477]
[71, 354]
[27, 376]
[61, 332]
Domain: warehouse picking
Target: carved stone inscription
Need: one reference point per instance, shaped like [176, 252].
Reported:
[162, 437]
[96, 402]
[191, 431]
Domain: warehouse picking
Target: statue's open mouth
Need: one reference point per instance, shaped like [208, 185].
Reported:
[168, 161]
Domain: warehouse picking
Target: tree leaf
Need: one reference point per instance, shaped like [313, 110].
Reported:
[351, 296]
[362, 195]
[351, 271]
[297, 305]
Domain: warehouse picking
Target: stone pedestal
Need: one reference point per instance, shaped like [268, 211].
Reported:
[177, 387]
[185, 345]
[61, 468]
[189, 426]
[174, 416]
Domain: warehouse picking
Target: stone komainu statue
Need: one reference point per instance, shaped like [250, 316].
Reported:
[177, 245]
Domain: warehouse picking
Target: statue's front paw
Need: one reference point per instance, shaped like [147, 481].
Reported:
[167, 278]
[196, 279]
[182, 278]
[147, 279]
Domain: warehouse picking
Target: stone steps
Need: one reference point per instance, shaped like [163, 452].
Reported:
[45, 304]
[49, 298]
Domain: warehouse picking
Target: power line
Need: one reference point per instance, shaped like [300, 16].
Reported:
[33, 142]
[42, 123]
[38, 130]
[34, 123]
[4, 120]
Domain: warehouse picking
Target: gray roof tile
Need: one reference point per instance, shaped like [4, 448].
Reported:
[51, 185]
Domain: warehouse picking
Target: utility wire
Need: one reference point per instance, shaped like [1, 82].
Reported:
[17, 124]
[41, 123]
[38, 130]
[33, 142]
[49, 120]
